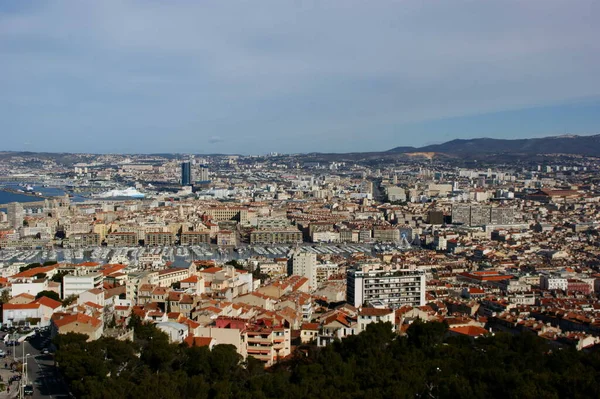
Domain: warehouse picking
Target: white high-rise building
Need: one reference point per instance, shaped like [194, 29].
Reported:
[385, 286]
[305, 264]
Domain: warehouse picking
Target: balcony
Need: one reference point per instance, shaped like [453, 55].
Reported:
[258, 340]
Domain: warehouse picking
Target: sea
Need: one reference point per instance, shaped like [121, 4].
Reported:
[47, 192]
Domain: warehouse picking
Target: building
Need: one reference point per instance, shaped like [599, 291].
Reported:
[385, 286]
[80, 323]
[195, 237]
[15, 214]
[186, 174]
[27, 313]
[204, 174]
[367, 316]
[75, 284]
[177, 332]
[386, 234]
[480, 215]
[159, 239]
[435, 217]
[279, 236]
[268, 345]
[122, 239]
[84, 240]
[305, 265]
[226, 238]
[228, 213]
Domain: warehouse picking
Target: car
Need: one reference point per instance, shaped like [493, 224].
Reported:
[45, 351]
[28, 390]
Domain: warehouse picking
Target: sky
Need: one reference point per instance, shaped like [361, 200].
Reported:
[252, 77]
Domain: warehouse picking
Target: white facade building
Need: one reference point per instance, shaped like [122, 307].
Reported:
[385, 286]
[553, 283]
[76, 284]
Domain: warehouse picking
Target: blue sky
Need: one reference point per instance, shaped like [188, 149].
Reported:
[252, 77]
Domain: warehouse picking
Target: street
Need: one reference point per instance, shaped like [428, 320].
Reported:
[41, 372]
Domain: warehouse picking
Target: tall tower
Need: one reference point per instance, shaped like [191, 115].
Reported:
[305, 265]
[204, 173]
[15, 214]
[186, 174]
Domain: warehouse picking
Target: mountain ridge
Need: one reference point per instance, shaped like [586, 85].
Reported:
[565, 144]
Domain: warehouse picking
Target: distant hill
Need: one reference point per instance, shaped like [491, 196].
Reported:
[571, 144]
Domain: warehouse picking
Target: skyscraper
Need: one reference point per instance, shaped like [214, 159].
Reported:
[186, 174]
[204, 173]
[15, 214]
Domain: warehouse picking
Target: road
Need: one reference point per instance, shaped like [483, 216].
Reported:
[41, 371]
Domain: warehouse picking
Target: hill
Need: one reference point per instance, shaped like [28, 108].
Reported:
[570, 144]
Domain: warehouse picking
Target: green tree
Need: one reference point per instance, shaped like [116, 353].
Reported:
[69, 300]
[49, 294]
[58, 277]
[50, 263]
[5, 296]
[30, 266]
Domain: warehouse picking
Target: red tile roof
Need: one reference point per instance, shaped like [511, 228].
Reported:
[190, 340]
[62, 320]
[19, 306]
[472, 331]
[49, 302]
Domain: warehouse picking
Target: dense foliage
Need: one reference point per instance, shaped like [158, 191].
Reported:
[49, 294]
[374, 364]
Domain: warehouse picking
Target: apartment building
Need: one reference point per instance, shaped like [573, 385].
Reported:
[195, 237]
[122, 239]
[386, 234]
[159, 239]
[84, 240]
[228, 213]
[284, 236]
[226, 238]
[385, 286]
[479, 215]
[74, 284]
[167, 277]
[268, 345]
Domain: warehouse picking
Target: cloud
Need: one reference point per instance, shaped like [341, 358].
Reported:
[215, 140]
[297, 76]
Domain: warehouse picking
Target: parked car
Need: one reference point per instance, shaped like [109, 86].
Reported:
[28, 390]
[45, 351]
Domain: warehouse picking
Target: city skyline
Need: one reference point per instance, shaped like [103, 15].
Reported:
[181, 77]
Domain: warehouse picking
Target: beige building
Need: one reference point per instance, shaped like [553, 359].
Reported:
[63, 323]
[159, 238]
[285, 236]
[122, 239]
[228, 213]
[195, 237]
[84, 240]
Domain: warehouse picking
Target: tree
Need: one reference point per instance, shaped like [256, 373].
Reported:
[40, 276]
[30, 266]
[69, 300]
[49, 294]
[50, 263]
[5, 296]
[235, 263]
[58, 277]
